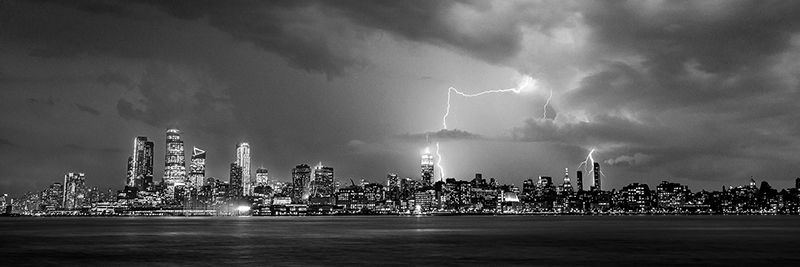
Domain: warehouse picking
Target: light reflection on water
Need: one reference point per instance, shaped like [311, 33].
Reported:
[478, 240]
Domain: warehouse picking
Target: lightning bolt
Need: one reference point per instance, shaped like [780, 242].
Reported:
[544, 115]
[439, 162]
[588, 164]
[526, 81]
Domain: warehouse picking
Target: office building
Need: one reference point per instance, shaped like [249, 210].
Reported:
[427, 167]
[262, 177]
[596, 172]
[235, 181]
[243, 160]
[301, 179]
[197, 167]
[323, 185]
[175, 162]
[74, 191]
[140, 164]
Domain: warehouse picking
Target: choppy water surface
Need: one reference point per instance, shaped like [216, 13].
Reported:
[479, 240]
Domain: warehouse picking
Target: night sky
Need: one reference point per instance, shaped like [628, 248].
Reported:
[704, 93]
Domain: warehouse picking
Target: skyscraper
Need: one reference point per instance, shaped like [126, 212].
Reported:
[392, 180]
[301, 178]
[596, 173]
[262, 177]
[427, 167]
[322, 185]
[197, 168]
[174, 162]
[393, 187]
[235, 181]
[243, 160]
[567, 185]
[579, 178]
[140, 164]
[74, 190]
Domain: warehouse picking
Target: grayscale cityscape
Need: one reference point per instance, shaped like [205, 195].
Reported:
[399, 132]
[314, 190]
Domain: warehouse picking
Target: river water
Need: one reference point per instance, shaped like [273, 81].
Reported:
[374, 240]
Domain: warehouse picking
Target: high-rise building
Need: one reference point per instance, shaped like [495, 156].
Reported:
[392, 181]
[596, 174]
[74, 190]
[243, 160]
[797, 183]
[393, 187]
[235, 181]
[567, 185]
[579, 180]
[140, 164]
[174, 162]
[262, 177]
[322, 185]
[53, 197]
[427, 167]
[197, 168]
[301, 178]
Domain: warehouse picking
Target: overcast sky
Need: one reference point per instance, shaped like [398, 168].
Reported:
[703, 93]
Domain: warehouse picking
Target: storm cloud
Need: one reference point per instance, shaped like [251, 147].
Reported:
[701, 92]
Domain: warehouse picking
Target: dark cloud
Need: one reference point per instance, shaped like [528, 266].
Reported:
[48, 101]
[703, 91]
[176, 96]
[82, 148]
[89, 110]
[443, 134]
[113, 78]
[5, 142]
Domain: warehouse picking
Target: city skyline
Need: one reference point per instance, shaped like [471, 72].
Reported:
[700, 93]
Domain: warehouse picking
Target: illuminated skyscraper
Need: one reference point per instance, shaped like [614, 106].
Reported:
[322, 185]
[140, 164]
[197, 168]
[392, 180]
[175, 161]
[301, 178]
[427, 167]
[243, 160]
[74, 190]
[235, 181]
[567, 185]
[579, 178]
[596, 173]
[262, 177]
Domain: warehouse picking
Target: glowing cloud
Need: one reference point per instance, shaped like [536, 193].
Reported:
[526, 82]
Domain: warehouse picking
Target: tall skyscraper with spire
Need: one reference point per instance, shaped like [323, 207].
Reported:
[140, 164]
[175, 161]
[243, 160]
[197, 167]
[567, 185]
[427, 167]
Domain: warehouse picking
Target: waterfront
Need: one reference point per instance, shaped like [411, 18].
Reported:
[471, 240]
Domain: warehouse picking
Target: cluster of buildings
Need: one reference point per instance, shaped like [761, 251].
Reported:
[313, 190]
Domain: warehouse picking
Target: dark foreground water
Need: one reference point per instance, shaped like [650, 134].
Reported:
[502, 240]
